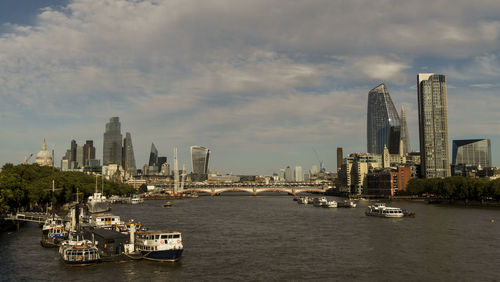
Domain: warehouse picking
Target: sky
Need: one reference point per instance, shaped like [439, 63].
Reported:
[264, 84]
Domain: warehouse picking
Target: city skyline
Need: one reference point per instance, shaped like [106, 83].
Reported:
[237, 78]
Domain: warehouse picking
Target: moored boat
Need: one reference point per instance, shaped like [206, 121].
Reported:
[330, 204]
[347, 204]
[302, 201]
[319, 202]
[159, 245]
[79, 252]
[381, 210]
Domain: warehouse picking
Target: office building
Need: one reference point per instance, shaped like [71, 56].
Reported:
[199, 159]
[88, 153]
[405, 137]
[433, 125]
[472, 152]
[340, 157]
[128, 155]
[153, 156]
[298, 174]
[381, 117]
[288, 174]
[112, 145]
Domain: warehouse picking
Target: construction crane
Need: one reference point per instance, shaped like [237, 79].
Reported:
[26, 159]
[320, 161]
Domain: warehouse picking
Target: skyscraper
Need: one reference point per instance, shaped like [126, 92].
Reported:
[128, 154]
[88, 153]
[405, 137]
[288, 174]
[472, 152]
[153, 156]
[299, 177]
[381, 116]
[199, 159]
[112, 145]
[433, 125]
[340, 157]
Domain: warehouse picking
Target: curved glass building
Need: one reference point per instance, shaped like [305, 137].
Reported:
[381, 117]
[199, 159]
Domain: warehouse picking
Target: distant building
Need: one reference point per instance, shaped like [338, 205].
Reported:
[405, 137]
[44, 157]
[112, 145]
[314, 170]
[161, 161]
[199, 159]
[382, 117]
[433, 125]
[472, 152]
[128, 159]
[387, 181]
[340, 158]
[354, 170]
[282, 174]
[298, 174]
[288, 174]
[153, 156]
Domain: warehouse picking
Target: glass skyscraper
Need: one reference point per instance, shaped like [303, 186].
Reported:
[199, 159]
[112, 145]
[153, 156]
[381, 117]
[128, 154]
[433, 125]
[405, 137]
[472, 152]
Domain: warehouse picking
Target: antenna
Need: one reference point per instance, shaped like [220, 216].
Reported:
[320, 162]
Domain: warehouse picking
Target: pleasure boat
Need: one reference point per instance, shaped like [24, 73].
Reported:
[159, 245]
[330, 204]
[319, 202]
[79, 252]
[381, 210]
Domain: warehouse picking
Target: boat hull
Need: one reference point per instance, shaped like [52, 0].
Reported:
[384, 215]
[98, 207]
[164, 255]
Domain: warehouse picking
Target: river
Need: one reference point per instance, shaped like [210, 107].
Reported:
[241, 237]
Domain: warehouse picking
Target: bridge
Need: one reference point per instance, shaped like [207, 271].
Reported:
[38, 217]
[217, 190]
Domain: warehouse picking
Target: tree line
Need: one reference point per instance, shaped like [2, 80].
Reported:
[29, 187]
[456, 188]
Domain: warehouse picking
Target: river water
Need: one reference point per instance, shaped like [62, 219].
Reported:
[241, 237]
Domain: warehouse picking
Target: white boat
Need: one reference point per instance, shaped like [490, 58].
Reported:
[381, 210]
[302, 200]
[330, 204]
[347, 204]
[159, 245]
[105, 220]
[97, 202]
[135, 201]
[79, 252]
[319, 202]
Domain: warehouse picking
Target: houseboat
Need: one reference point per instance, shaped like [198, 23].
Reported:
[159, 245]
[381, 210]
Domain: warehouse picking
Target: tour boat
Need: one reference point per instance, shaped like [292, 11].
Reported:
[159, 245]
[79, 252]
[53, 237]
[302, 200]
[105, 220]
[381, 210]
[135, 201]
[330, 204]
[347, 204]
[319, 202]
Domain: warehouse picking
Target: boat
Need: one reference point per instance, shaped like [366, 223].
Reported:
[330, 204]
[319, 202]
[408, 213]
[105, 220]
[77, 251]
[97, 202]
[53, 232]
[302, 201]
[167, 204]
[347, 204]
[137, 200]
[381, 210]
[159, 245]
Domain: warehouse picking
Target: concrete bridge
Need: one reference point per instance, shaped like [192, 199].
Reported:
[255, 190]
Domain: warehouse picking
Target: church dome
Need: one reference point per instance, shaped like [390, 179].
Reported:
[44, 157]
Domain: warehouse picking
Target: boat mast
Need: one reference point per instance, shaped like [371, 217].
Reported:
[176, 172]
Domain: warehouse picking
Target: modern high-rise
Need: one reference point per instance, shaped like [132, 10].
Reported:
[199, 159]
[433, 125]
[128, 155]
[88, 152]
[340, 158]
[381, 117]
[299, 177]
[472, 152]
[288, 174]
[405, 137]
[112, 145]
[153, 156]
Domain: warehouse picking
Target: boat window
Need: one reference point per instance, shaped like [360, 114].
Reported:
[164, 236]
[177, 236]
[157, 237]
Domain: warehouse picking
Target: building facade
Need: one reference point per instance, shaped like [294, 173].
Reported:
[340, 158]
[472, 152]
[405, 137]
[381, 117]
[199, 159]
[387, 181]
[128, 155]
[112, 145]
[433, 125]
[299, 177]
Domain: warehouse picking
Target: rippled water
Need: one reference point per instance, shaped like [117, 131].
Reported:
[240, 237]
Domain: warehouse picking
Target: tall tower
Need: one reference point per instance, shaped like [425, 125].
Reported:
[340, 157]
[405, 137]
[128, 154]
[199, 159]
[153, 156]
[112, 145]
[381, 117]
[433, 125]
